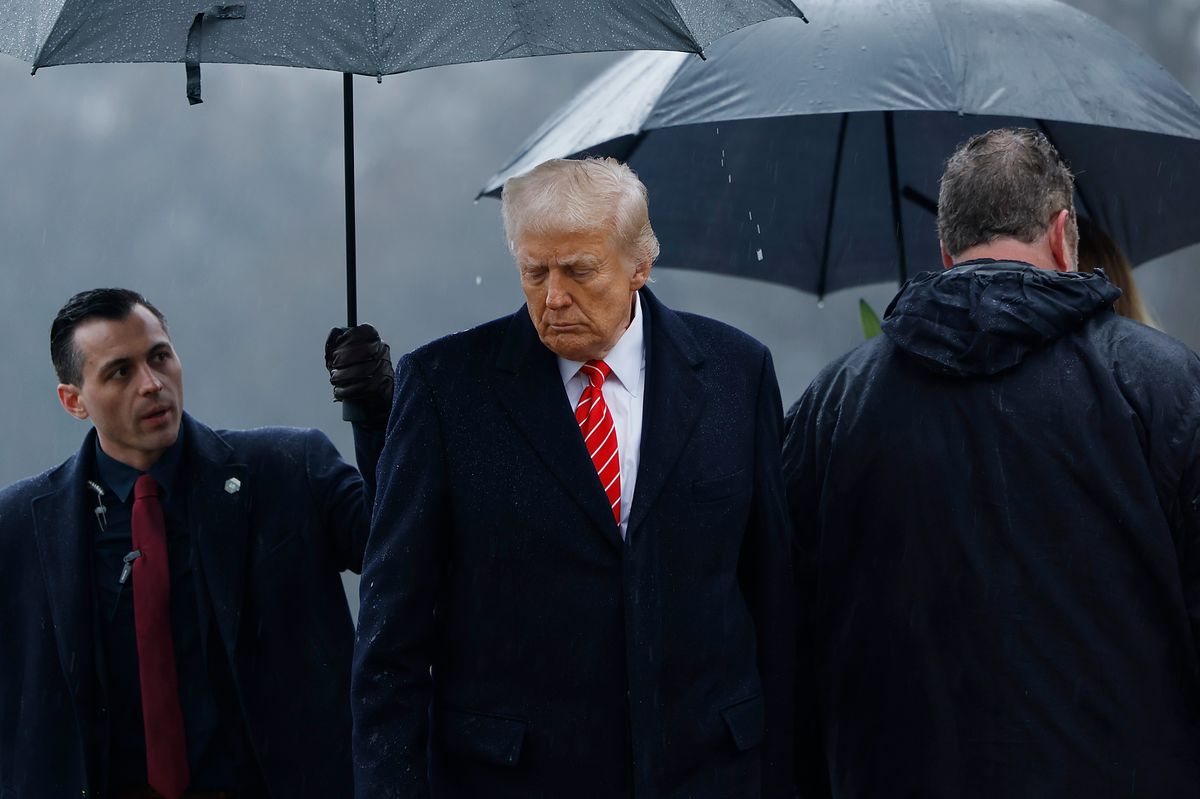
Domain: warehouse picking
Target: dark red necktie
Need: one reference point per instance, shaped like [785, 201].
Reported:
[166, 747]
[600, 434]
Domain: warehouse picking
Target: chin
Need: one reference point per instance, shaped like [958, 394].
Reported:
[165, 438]
[568, 347]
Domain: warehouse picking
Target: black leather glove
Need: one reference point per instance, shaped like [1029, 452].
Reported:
[360, 369]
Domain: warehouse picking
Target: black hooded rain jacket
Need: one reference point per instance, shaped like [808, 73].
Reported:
[998, 547]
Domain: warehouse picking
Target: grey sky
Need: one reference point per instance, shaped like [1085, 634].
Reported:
[228, 216]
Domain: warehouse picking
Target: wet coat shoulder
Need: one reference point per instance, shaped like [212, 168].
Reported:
[465, 351]
[831, 383]
[16, 499]
[719, 339]
[268, 446]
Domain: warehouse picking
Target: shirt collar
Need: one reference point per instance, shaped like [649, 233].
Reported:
[625, 359]
[120, 477]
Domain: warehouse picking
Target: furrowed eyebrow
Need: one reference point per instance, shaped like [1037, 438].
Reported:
[115, 364]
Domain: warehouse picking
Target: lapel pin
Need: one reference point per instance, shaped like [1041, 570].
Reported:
[233, 485]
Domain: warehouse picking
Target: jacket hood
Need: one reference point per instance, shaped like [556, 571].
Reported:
[983, 317]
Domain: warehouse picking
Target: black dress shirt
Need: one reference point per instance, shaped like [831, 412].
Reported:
[212, 725]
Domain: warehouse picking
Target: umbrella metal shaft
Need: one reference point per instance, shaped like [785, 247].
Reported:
[889, 125]
[348, 151]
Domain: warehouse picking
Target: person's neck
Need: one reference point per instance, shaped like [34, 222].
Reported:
[141, 461]
[1035, 253]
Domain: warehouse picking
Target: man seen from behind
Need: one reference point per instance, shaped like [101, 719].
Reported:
[996, 506]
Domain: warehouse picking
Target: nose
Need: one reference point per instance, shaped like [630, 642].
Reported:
[557, 295]
[150, 384]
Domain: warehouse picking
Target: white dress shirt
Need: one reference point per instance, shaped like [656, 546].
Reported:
[623, 391]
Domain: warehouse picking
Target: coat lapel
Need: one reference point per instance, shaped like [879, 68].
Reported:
[675, 396]
[218, 519]
[530, 388]
[61, 528]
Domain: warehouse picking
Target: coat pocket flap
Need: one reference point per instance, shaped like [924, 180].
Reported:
[745, 722]
[492, 739]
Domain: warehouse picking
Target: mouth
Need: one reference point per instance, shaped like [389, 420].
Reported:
[158, 416]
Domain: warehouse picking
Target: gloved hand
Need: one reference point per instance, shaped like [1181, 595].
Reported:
[360, 369]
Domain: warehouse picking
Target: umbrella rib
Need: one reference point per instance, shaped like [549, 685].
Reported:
[920, 200]
[822, 276]
[65, 27]
[687, 29]
[376, 40]
[634, 145]
[889, 125]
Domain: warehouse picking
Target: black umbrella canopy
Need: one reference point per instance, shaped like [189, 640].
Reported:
[375, 38]
[810, 156]
[381, 37]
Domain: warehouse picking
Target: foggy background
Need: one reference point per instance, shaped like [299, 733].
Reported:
[229, 217]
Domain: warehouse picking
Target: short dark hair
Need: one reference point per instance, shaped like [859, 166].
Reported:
[1006, 183]
[113, 304]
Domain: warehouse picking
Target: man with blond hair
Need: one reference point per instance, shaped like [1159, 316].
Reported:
[578, 580]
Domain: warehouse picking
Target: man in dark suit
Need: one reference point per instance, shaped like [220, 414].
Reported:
[997, 513]
[172, 615]
[577, 582]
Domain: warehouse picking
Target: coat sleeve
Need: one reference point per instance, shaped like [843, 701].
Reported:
[342, 498]
[766, 577]
[1187, 524]
[368, 444]
[802, 479]
[1183, 508]
[391, 688]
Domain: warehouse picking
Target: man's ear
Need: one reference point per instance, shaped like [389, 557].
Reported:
[71, 398]
[947, 261]
[641, 273]
[1059, 241]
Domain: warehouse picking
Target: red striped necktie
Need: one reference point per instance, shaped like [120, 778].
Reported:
[600, 434]
[166, 747]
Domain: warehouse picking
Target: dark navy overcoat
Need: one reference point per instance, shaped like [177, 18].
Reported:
[270, 553]
[567, 662]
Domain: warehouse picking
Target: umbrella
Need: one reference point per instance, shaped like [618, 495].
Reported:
[812, 159]
[365, 38]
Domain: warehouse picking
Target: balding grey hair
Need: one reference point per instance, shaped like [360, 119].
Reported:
[1006, 183]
